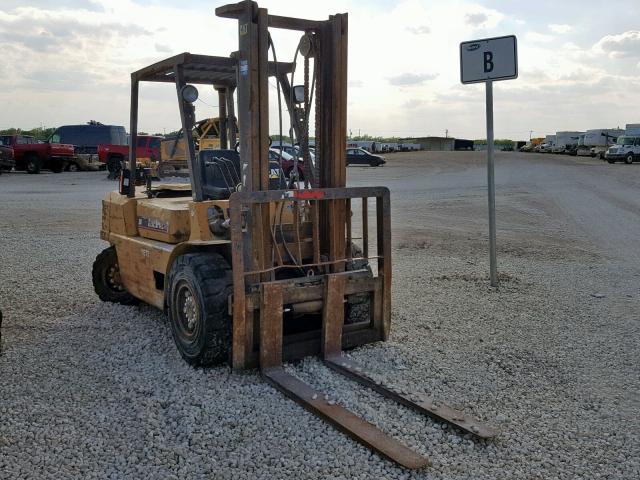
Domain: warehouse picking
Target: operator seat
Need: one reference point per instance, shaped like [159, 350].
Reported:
[222, 174]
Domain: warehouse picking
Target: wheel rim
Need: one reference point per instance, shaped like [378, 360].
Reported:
[73, 167]
[187, 311]
[112, 278]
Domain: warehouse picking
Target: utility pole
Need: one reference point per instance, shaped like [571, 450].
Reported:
[530, 132]
[446, 133]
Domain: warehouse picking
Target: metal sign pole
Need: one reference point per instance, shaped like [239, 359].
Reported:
[492, 187]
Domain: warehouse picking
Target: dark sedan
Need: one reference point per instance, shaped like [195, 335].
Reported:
[359, 156]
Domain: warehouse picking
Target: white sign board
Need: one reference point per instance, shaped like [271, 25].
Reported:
[489, 59]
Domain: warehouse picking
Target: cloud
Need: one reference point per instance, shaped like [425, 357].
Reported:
[420, 29]
[409, 79]
[538, 37]
[623, 45]
[163, 48]
[560, 28]
[476, 19]
[89, 5]
[70, 60]
[40, 30]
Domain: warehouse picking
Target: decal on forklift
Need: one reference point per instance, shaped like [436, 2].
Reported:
[304, 194]
[274, 173]
[153, 224]
[244, 67]
[244, 29]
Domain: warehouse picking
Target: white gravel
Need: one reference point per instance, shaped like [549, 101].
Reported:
[93, 390]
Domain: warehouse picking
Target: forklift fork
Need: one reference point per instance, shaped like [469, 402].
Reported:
[271, 324]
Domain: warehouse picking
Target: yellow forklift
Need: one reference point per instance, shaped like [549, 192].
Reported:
[249, 271]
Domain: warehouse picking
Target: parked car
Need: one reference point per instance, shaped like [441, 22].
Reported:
[86, 138]
[290, 149]
[32, 155]
[288, 162]
[359, 156]
[6, 158]
[113, 155]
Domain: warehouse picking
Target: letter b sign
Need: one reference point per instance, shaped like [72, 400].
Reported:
[489, 59]
[488, 62]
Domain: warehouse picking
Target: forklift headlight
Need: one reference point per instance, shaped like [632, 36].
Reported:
[189, 93]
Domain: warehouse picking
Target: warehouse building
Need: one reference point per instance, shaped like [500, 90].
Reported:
[432, 143]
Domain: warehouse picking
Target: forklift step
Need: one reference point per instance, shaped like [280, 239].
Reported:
[427, 406]
[347, 422]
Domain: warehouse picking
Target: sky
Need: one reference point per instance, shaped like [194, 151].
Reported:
[69, 61]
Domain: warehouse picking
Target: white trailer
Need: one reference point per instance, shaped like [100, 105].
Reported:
[596, 141]
[408, 147]
[632, 129]
[388, 147]
[367, 145]
[565, 140]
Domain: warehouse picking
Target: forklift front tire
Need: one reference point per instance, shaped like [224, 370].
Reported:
[199, 286]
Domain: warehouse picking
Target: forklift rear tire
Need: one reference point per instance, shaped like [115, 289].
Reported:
[106, 279]
[199, 286]
[33, 164]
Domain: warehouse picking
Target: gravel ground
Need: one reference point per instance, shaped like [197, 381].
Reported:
[93, 390]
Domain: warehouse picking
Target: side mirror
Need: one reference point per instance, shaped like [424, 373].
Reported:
[298, 93]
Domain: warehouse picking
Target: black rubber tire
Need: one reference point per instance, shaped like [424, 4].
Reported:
[73, 167]
[374, 163]
[107, 289]
[33, 165]
[358, 306]
[611, 161]
[114, 165]
[204, 281]
[629, 158]
[56, 166]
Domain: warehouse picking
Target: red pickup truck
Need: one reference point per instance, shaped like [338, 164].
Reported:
[31, 155]
[115, 155]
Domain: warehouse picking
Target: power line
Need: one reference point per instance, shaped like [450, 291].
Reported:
[208, 105]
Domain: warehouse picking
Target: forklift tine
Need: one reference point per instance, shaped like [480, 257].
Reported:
[347, 422]
[426, 406]
[344, 420]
